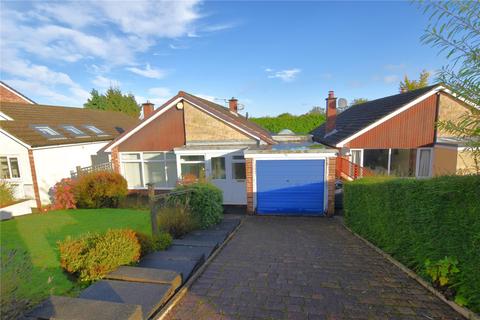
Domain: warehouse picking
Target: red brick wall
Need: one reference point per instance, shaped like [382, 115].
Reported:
[34, 179]
[115, 160]
[8, 96]
[331, 162]
[249, 183]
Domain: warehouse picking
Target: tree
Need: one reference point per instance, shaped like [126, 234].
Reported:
[113, 100]
[316, 110]
[358, 101]
[409, 85]
[455, 29]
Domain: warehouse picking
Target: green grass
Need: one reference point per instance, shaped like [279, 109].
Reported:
[38, 234]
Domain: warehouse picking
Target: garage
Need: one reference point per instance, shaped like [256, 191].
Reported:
[290, 180]
[291, 187]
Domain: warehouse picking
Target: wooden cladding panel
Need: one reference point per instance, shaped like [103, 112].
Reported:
[162, 134]
[412, 128]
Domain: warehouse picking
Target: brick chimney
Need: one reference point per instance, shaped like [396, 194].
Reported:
[331, 112]
[147, 109]
[233, 105]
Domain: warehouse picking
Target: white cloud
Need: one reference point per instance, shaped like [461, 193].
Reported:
[287, 75]
[148, 72]
[157, 96]
[105, 83]
[391, 78]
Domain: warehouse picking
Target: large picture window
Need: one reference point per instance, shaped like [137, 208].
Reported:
[159, 168]
[376, 160]
[9, 168]
[403, 162]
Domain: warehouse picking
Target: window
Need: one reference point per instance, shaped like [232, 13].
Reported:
[95, 130]
[403, 162]
[9, 168]
[423, 169]
[218, 168]
[48, 132]
[376, 160]
[238, 168]
[75, 131]
[193, 166]
[159, 168]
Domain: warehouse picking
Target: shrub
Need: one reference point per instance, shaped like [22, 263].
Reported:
[63, 195]
[16, 268]
[420, 220]
[92, 256]
[150, 244]
[205, 202]
[7, 193]
[102, 189]
[176, 220]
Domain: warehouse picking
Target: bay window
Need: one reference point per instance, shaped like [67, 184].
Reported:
[158, 168]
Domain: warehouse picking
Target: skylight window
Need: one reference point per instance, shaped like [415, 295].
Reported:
[48, 132]
[75, 131]
[95, 130]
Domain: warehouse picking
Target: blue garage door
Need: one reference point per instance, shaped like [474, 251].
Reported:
[290, 187]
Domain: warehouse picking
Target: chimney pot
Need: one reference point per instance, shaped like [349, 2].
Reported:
[233, 105]
[147, 109]
[331, 112]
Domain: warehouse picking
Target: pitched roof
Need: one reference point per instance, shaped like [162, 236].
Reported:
[234, 118]
[217, 110]
[360, 116]
[25, 117]
[24, 97]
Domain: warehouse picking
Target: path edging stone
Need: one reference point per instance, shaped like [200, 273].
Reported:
[468, 314]
[177, 297]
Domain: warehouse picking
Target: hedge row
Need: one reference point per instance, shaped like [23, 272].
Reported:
[420, 220]
[301, 124]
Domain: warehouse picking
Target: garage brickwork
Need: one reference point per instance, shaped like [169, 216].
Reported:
[249, 183]
[331, 185]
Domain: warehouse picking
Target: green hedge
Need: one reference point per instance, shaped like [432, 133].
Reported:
[205, 203]
[301, 124]
[415, 220]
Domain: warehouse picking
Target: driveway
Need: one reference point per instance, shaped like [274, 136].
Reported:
[304, 268]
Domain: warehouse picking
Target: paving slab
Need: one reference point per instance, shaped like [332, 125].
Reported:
[304, 268]
[148, 275]
[227, 225]
[217, 233]
[176, 252]
[150, 296]
[207, 239]
[63, 308]
[183, 267]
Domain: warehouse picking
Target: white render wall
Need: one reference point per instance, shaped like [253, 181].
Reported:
[55, 163]
[24, 185]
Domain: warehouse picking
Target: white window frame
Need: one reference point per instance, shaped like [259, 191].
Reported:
[225, 167]
[97, 131]
[48, 132]
[180, 161]
[74, 131]
[142, 162]
[10, 168]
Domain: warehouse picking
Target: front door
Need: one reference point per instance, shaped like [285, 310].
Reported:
[227, 172]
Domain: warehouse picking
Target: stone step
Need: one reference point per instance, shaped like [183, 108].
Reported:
[206, 239]
[173, 253]
[226, 225]
[148, 275]
[220, 233]
[185, 250]
[183, 267]
[63, 308]
[150, 296]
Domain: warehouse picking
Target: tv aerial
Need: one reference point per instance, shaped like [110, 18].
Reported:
[342, 103]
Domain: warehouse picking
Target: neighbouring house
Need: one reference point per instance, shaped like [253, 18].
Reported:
[40, 145]
[190, 137]
[8, 94]
[397, 135]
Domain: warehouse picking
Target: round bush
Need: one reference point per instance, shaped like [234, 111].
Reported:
[101, 189]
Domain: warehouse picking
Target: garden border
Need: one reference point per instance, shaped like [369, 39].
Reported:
[177, 297]
[468, 314]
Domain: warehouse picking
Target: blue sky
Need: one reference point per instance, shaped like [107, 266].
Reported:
[274, 57]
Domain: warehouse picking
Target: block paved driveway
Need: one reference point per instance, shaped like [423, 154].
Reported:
[304, 268]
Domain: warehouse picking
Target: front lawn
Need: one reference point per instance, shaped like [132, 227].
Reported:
[37, 234]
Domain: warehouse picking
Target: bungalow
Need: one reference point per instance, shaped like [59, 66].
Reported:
[40, 145]
[190, 137]
[397, 135]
